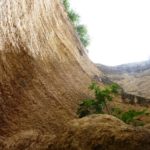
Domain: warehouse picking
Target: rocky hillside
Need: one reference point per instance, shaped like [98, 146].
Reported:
[134, 77]
[44, 73]
[44, 70]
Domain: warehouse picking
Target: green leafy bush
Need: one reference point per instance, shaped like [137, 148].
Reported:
[75, 19]
[99, 103]
[87, 107]
[115, 88]
[83, 34]
[130, 116]
[66, 4]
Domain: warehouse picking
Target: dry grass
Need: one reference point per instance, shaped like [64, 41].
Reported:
[101, 132]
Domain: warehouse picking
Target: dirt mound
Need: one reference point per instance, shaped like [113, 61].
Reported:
[27, 140]
[102, 132]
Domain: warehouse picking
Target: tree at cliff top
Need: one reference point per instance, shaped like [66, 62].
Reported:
[75, 19]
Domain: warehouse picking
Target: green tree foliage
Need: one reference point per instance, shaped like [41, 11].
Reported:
[75, 19]
[66, 4]
[115, 88]
[130, 116]
[83, 34]
[97, 104]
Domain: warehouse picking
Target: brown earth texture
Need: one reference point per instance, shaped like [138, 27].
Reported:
[101, 132]
[44, 74]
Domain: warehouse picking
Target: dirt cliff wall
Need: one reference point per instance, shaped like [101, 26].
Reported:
[44, 71]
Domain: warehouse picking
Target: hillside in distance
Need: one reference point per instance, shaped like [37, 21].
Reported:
[133, 77]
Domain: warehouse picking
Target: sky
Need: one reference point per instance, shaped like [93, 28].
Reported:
[119, 29]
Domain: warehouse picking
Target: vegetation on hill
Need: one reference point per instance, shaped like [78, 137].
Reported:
[75, 19]
[134, 78]
[99, 105]
[130, 116]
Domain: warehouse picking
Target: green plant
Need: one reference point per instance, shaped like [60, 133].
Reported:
[99, 103]
[115, 88]
[87, 107]
[83, 34]
[66, 4]
[117, 112]
[75, 19]
[130, 116]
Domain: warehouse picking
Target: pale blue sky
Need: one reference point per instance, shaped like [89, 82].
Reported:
[119, 29]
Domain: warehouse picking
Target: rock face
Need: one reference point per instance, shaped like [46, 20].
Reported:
[44, 73]
[101, 132]
[44, 70]
[134, 99]
[134, 77]
[130, 68]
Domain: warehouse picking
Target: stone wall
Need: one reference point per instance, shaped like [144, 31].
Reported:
[134, 99]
